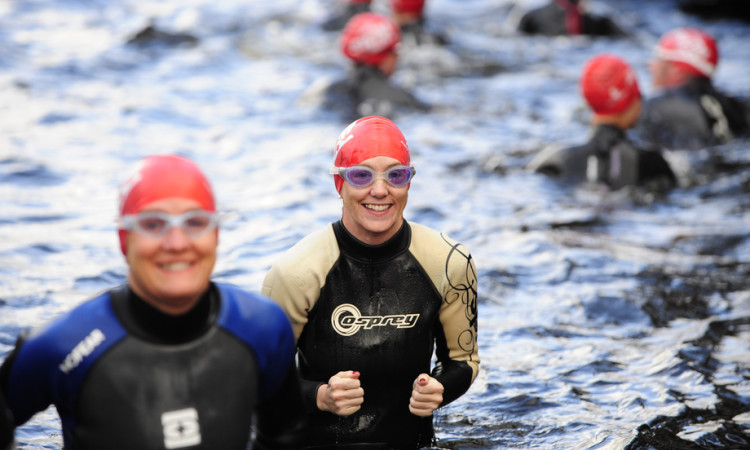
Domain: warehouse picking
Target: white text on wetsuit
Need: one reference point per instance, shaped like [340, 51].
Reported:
[82, 350]
[347, 320]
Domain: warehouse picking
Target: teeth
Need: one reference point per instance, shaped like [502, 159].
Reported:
[176, 266]
[377, 207]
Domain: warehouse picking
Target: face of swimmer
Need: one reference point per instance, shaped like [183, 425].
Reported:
[172, 272]
[168, 232]
[373, 214]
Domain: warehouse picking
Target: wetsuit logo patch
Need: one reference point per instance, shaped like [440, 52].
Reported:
[347, 320]
[181, 428]
[82, 350]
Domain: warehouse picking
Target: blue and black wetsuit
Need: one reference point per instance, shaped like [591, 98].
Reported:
[693, 116]
[379, 310]
[124, 375]
[608, 158]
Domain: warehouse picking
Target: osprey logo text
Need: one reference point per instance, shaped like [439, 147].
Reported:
[82, 350]
[347, 320]
[181, 428]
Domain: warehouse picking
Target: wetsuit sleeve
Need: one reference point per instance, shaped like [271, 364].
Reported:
[527, 24]
[6, 418]
[549, 161]
[6, 426]
[295, 281]
[653, 166]
[262, 325]
[26, 382]
[287, 287]
[293, 299]
[457, 355]
[452, 270]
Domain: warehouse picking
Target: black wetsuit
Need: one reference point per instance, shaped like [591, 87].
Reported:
[692, 116]
[608, 158]
[554, 20]
[379, 310]
[124, 375]
[367, 92]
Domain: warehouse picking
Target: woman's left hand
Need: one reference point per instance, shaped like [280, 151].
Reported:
[426, 395]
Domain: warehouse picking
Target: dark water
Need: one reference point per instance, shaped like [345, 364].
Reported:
[607, 319]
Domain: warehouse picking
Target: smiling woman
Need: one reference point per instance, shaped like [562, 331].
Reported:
[373, 211]
[168, 267]
[152, 353]
[372, 284]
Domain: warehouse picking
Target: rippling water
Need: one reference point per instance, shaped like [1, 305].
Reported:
[607, 319]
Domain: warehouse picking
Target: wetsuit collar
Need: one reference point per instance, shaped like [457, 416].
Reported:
[356, 249]
[698, 85]
[606, 136]
[150, 324]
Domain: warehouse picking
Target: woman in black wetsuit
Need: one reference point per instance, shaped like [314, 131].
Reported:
[370, 297]
[169, 360]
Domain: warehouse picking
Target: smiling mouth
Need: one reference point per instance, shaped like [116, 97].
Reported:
[377, 208]
[176, 266]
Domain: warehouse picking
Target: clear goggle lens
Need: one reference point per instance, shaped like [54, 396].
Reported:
[156, 224]
[360, 176]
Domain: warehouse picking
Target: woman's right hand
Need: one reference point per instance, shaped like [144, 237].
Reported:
[343, 395]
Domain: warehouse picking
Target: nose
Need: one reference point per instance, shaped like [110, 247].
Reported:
[379, 188]
[176, 239]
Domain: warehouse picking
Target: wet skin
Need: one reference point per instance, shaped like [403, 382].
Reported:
[373, 214]
[172, 272]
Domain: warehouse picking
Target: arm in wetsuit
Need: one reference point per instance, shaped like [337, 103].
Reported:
[299, 286]
[6, 425]
[453, 273]
[280, 417]
[6, 417]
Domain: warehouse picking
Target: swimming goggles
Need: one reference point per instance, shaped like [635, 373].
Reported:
[156, 224]
[361, 176]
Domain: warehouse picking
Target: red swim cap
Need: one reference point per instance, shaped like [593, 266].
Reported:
[609, 84]
[159, 177]
[367, 138]
[368, 38]
[690, 48]
[408, 6]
